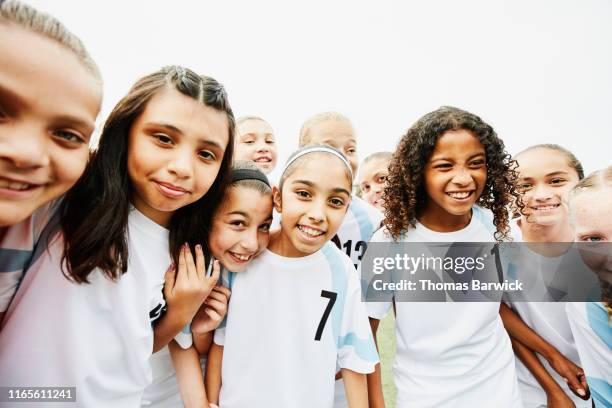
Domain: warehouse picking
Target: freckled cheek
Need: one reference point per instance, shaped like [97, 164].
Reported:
[262, 241]
[69, 167]
[205, 177]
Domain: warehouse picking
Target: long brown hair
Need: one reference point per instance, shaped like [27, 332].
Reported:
[94, 214]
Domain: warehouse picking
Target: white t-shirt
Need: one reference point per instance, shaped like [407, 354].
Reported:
[451, 354]
[358, 226]
[97, 336]
[548, 319]
[593, 333]
[164, 391]
[289, 321]
[17, 243]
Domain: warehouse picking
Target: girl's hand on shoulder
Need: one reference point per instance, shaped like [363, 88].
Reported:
[187, 286]
[559, 400]
[213, 310]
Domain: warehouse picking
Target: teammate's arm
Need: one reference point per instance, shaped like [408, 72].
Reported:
[213, 372]
[356, 388]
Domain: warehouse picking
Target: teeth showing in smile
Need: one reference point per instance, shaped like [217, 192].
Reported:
[14, 185]
[459, 195]
[310, 231]
[241, 257]
[545, 207]
[263, 159]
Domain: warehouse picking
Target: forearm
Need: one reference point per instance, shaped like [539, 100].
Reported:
[213, 373]
[534, 365]
[203, 342]
[169, 325]
[375, 392]
[356, 388]
[189, 375]
[517, 329]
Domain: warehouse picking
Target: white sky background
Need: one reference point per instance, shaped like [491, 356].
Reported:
[537, 71]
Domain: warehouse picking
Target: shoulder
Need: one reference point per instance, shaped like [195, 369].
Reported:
[381, 235]
[336, 257]
[485, 217]
[360, 206]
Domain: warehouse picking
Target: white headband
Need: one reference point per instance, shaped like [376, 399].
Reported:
[317, 149]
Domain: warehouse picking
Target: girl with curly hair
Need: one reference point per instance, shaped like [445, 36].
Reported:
[450, 180]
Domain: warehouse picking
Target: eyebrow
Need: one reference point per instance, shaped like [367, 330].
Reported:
[255, 134]
[180, 132]
[447, 159]
[311, 184]
[554, 173]
[243, 213]
[15, 100]
[331, 140]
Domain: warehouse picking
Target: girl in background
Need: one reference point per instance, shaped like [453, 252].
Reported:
[144, 201]
[46, 122]
[450, 180]
[373, 174]
[553, 379]
[255, 141]
[591, 322]
[299, 301]
[240, 231]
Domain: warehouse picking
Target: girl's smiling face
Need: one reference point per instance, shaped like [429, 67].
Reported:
[256, 143]
[590, 217]
[454, 178]
[46, 121]
[175, 150]
[241, 227]
[372, 179]
[312, 204]
[545, 178]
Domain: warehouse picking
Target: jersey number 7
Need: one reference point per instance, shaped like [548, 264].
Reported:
[332, 299]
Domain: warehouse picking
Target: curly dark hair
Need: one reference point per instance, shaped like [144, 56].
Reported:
[404, 194]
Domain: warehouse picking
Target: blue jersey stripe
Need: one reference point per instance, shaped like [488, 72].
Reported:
[12, 260]
[364, 348]
[366, 228]
[339, 285]
[599, 322]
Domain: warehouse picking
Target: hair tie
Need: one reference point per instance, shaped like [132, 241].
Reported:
[249, 174]
[182, 75]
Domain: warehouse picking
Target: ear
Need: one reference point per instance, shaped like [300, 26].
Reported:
[276, 199]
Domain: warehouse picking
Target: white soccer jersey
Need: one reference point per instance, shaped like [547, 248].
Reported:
[17, 243]
[548, 319]
[289, 321]
[164, 392]
[451, 354]
[358, 226]
[592, 330]
[97, 336]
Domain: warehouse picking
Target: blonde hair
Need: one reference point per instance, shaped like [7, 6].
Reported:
[31, 19]
[320, 118]
[378, 155]
[594, 181]
[243, 119]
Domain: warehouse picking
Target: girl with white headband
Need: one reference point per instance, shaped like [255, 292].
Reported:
[299, 301]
